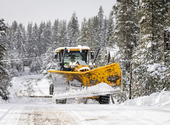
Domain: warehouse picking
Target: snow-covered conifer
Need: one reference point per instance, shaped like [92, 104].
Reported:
[73, 30]
[63, 38]
[125, 35]
[109, 31]
[151, 20]
[149, 52]
[83, 39]
[100, 28]
[4, 79]
[56, 33]
[33, 43]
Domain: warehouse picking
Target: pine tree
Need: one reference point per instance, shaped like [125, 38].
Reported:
[73, 30]
[100, 30]
[4, 76]
[99, 36]
[56, 33]
[109, 31]
[33, 43]
[41, 40]
[95, 43]
[35, 66]
[29, 38]
[83, 40]
[166, 33]
[125, 36]
[151, 20]
[63, 34]
[14, 26]
[20, 39]
[44, 39]
[47, 34]
[149, 52]
[90, 33]
[11, 50]
[19, 43]
[166, 11]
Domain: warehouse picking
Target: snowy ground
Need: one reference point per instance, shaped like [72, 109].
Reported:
[91, 114]
[147, 110]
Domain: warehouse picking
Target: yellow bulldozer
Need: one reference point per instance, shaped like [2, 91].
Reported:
[76, 75]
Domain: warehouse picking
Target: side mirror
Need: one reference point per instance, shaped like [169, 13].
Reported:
[92, 54]
[56, 56]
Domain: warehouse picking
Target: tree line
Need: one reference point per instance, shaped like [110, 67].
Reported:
[37, 42]
[138, 32]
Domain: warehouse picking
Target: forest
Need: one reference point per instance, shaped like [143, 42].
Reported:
[140, 29]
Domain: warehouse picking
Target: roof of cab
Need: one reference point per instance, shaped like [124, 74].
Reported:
[78, 48]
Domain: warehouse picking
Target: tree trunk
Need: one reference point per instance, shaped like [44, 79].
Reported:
[130, 85]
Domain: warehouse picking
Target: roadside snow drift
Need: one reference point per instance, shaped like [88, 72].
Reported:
[25, 86]
[156, 99]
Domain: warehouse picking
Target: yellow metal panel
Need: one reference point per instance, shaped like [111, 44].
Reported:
[110, 74]
[72, 49]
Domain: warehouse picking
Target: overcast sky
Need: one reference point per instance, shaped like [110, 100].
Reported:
[35, 11]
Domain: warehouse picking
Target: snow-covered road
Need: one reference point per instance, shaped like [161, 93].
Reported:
[20, 109]
[90, 114]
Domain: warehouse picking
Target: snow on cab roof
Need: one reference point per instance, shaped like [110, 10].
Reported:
[78, 48]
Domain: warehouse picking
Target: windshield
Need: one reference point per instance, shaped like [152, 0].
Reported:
[74, 56]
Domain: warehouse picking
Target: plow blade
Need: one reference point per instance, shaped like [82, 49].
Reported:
[93, 91]
[69, 84]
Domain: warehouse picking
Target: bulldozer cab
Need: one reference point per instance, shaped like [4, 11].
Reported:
[74, 56]
[71, 56]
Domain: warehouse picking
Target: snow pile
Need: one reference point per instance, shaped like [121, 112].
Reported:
[25, 86]
[156, 99]
[99, 89]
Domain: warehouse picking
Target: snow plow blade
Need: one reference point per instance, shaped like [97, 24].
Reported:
[68, 84]
[92, 91]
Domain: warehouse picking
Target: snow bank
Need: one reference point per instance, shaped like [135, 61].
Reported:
[25, 86]
[156, 99]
